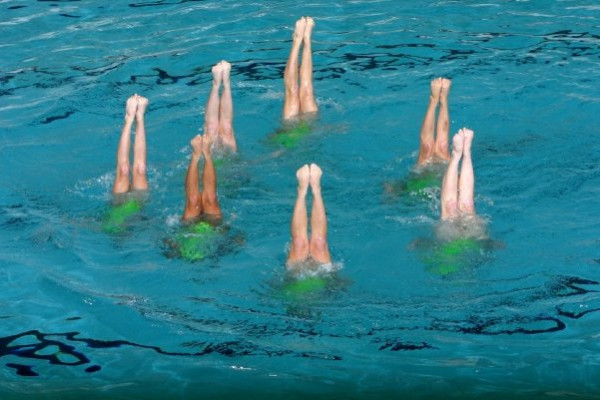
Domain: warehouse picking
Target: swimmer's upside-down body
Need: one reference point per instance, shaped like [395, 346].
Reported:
[300, 98]
[135, 110]
[302, 247]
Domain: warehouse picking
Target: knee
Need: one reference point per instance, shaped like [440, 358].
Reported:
[193, 200]
[291, 92]
[140, 169]
[211, 128]
[442, 144]
[300, 245]
[209, 199]
[427, 149]
[123, 169]
[226, 130]
[450, 209]
[466, 208]
[318, 245]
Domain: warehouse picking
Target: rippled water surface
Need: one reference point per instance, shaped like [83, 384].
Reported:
[86, 313]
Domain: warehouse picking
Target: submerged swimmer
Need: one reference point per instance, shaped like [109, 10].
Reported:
[201, 202]
[134, 109]
[461, 236]
[459, 220]
[218, 116]
[302, 248]
[300, 106]
[129, 191]
[200, 237]
[300, 99]
[435, 149]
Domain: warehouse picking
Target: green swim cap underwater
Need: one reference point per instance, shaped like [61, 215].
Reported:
[299, 288]
[289, 138]
[114, 222]
[220, 162]
[451, 256]
[198, 243]
[418, 184]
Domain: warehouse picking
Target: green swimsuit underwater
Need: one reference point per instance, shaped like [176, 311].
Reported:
[296, 289]
[417, 184]
[449, 257]
[200, 240]
[116, 218]
[291, 134]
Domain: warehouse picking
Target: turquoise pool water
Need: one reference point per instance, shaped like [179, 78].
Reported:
[96, 314]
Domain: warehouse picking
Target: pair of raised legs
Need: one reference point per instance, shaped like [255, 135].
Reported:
[218, 116]
[302, 247]
[435, 148]
[300, 99]
[457, 191]
[198, 202]
[135, 110]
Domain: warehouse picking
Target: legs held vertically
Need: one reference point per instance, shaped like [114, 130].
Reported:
[300, 98]
[458, 191]
[135, 110]
[218, 115]
[302, 247]
[201, 201]
[435, 147]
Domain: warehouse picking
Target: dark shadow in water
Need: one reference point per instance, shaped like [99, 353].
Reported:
[43, 341]
[33, 350]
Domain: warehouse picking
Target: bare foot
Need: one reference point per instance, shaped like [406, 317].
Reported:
[315, 177]
[299, 29]
[196, 144]
[217, 71]
[468, 139]
[131, 107]
[446, 83]
[142, 104]
[436, 88]
[457, 144]
[226, 69]
[310, 24]
[303, 175]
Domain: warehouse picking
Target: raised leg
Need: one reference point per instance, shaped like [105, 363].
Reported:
[319, 250]
[426, 148]
[307, 95]
[466, 181]
[226, 110]
[211, 113]
[193, 201]
[121, 184]
[443, 123]
[210, 203]
[450, 182]
[299, 250]
[291, 105]
[140, 180]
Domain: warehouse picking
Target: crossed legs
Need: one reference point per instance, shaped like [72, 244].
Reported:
[300, 99]
[218, 118]
[458, 191]
[135, 109]
[436, 147]
[197, 201]
[303, 247]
